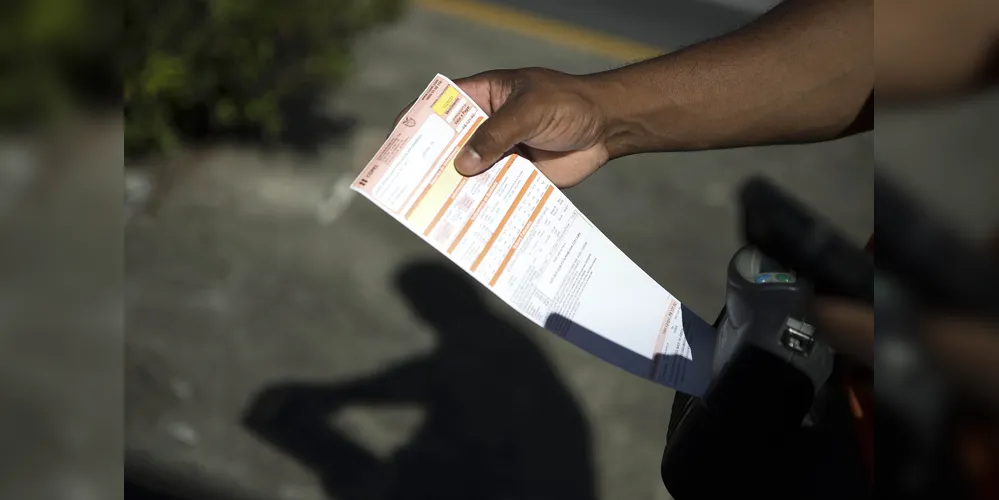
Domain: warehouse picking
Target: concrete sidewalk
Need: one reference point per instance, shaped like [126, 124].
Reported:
[259, 287]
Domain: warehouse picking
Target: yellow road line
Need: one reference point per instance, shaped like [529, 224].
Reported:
[549, 30]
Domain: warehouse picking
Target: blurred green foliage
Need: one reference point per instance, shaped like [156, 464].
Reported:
[55, 52]
[180, 66]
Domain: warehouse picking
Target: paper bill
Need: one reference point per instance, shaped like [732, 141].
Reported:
[522, 238]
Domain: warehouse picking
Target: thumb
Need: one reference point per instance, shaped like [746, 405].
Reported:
[510, 125]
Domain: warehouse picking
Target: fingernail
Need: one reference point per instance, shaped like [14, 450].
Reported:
[467, 161]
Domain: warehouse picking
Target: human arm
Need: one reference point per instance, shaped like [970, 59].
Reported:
[802, 72]
[935, 49]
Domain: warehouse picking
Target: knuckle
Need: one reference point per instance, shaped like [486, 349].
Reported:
[528, 78]
[524, 80]
[514, 81]
[487, 141]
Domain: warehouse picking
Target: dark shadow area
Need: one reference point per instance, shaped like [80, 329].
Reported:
[147, 478]
[305, 127]
[818, 461]
[499, 424]
[688, 375]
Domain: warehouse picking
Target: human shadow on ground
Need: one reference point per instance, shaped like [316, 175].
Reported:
[499, 424]
[688, 372]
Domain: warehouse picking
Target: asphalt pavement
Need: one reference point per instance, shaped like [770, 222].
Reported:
[273, 342]
[668, 24]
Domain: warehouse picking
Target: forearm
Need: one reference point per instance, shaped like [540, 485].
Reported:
[928, 49]
[801, 73]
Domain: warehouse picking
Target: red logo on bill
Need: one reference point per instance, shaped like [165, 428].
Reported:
[409, 122]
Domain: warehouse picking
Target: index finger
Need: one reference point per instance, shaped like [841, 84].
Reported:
[476, 87]
[489, 89]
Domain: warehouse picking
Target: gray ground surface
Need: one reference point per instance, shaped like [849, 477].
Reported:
[668, 24]
[946, 156]
[61, 332]
[237, 286]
